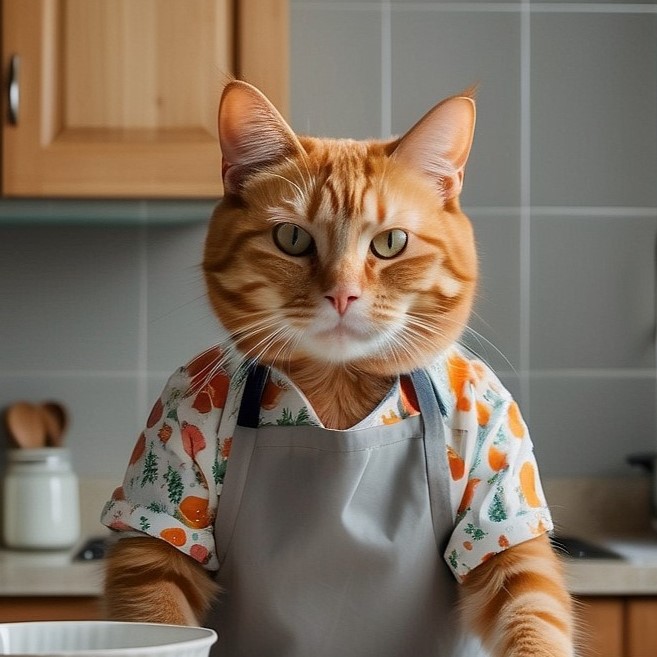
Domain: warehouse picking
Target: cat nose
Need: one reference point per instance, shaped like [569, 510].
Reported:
[342, 298]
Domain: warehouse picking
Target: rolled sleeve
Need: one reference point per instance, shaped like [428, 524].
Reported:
[170, 487]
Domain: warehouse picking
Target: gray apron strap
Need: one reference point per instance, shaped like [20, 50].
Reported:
[248, 419]
[435, 452]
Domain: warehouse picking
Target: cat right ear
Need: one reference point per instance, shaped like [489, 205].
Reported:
[438, 145]
[252, 134]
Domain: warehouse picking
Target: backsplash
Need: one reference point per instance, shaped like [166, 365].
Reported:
[561, 189]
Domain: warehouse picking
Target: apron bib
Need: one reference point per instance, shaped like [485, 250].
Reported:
[330, 542]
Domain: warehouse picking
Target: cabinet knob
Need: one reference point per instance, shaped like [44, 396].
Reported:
[14, 89]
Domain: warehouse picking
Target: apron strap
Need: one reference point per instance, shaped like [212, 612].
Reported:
[249, 415]
[435, 455]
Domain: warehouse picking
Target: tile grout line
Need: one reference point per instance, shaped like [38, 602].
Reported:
[525, 201]
[386, 71]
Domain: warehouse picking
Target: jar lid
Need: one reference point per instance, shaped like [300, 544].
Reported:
[40, 455]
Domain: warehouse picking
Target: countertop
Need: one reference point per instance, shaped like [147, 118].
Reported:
[596, 510]
[42, 574]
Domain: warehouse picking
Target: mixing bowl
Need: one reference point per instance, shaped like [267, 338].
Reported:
[104, 639]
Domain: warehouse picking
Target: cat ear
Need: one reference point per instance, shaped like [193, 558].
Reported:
[252, 134]
[439, 143]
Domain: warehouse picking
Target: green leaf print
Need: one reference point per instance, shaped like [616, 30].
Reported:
[475, 532]
[219, 471]
[149, 474]
[453, 559]
[287, 419]
[175, 485]
[496, 511]
[157, 507]
[144, 525]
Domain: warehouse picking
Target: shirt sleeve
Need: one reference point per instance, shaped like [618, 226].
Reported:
[170, 488]
[495, 486]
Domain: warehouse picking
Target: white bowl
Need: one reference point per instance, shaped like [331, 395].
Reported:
[104, 639]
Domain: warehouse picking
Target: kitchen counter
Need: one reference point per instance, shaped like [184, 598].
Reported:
[43, 574]
[581, 507]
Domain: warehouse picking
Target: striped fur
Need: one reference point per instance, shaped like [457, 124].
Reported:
[343, 193]
[518, 603]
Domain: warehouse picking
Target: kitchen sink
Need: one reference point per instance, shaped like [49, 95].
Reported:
[579, 548]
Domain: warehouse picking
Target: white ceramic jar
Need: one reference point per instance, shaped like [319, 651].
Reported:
[41, 506]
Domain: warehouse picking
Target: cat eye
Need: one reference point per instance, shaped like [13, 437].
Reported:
[293, 240]
[389, 243]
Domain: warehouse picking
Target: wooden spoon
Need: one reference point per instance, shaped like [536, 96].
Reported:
[55, 419]
[25, 425]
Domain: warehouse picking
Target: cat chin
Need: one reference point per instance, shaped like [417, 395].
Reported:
[341, 350]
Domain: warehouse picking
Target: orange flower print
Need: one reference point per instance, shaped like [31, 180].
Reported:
[213, 394]
[225, 447]
[483, 413]
[139, 449]
[463, 404]
[194, 511]
[155, 414]
[271, 395]
[496, 459]
[192, 439]
[516, 425]
[199, 553]
[118, 494]
[164, 433]
[503, 541]
[456, 464]
[203, 402]
[468, 495]
[462, 372]
[467, 545]
[390, 418]
[174, 535]
[528, 484]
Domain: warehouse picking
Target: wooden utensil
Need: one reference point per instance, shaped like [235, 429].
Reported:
[55, 419]
[25, 425]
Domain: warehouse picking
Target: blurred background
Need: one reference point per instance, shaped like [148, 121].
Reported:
[561, 187]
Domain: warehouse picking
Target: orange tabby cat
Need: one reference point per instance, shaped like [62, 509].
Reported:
[346, 264]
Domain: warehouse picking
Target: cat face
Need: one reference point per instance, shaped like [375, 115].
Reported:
[340, 251]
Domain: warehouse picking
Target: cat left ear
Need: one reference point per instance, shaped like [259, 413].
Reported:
[252, 134]
[438, 145]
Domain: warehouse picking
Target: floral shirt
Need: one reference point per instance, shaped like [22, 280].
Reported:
[175, 474]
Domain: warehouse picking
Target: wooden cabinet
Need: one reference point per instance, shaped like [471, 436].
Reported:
[119, 99]
[618, 627]
[13, 609]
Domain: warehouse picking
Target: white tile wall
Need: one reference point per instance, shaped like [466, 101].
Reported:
[562, 190]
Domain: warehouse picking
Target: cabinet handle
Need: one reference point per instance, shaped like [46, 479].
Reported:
[14, 89]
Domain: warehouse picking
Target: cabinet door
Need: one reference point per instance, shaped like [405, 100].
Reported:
[641, 627]
[601, 623]
[120, 98]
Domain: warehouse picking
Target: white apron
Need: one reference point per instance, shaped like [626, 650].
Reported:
[330, 542]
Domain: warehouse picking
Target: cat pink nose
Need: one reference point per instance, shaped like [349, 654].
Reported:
[342, 298]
